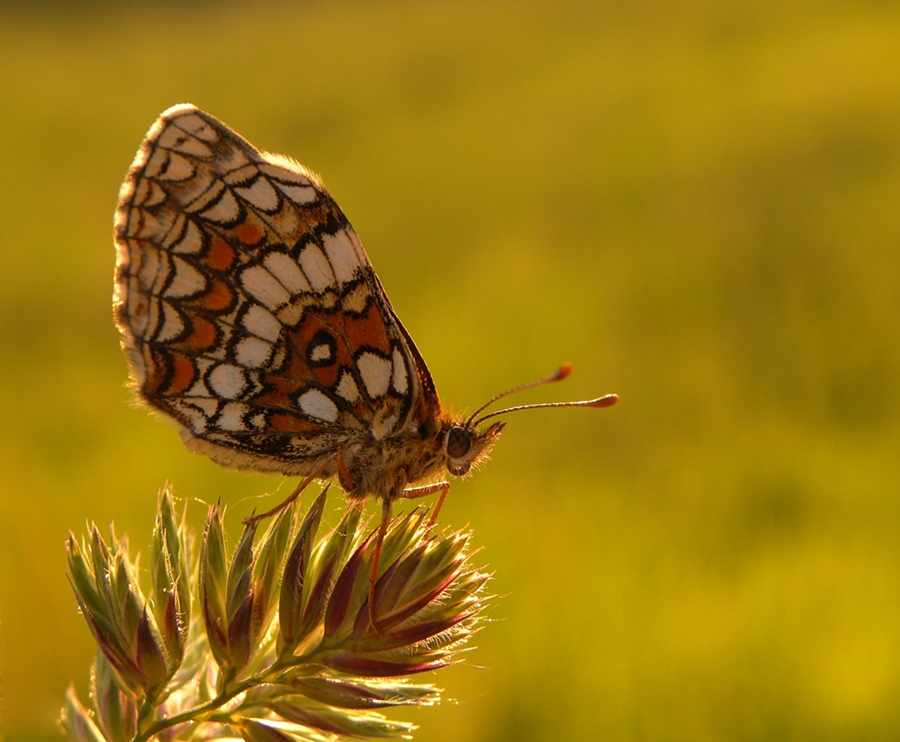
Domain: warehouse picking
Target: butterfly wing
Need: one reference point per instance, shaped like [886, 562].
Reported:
[249, 310]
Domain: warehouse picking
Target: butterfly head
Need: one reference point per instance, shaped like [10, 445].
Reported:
[465, 443]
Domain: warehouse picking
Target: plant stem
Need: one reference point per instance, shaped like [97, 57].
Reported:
[197, 713]
[204, 711]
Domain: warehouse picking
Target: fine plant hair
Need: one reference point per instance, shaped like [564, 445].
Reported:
[273, 640]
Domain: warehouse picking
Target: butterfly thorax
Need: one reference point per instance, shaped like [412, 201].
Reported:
[383, 469]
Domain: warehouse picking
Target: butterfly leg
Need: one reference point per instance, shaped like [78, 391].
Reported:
[412, 493]
[293, 496]
[386, 515]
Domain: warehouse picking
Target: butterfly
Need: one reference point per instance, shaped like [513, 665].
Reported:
[251, 315]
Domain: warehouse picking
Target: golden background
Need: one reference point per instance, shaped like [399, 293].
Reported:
[696, 203]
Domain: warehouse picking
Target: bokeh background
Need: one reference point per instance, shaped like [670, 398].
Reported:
[695, 202]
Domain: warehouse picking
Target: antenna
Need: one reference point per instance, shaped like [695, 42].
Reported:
[561, 373]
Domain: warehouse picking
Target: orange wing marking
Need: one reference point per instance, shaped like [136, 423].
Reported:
[220, 256]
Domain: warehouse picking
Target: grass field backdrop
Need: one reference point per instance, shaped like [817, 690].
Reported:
[698, 204]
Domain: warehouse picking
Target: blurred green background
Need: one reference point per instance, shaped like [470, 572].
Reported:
[696, 203]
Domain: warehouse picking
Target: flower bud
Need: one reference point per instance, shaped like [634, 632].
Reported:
[116, 710]
[340, 723]
[170, 579]
[267, 570]
[213, 587]
[294, 591]
[77, 721]
[352, 694]
[115, 610]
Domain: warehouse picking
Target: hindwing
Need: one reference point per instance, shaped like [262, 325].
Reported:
[249, 310]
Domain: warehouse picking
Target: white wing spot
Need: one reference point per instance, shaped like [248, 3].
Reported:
[342, 254]
[253, 352]
[347, 388]
[286, 270]
[315, 266]
[375, 372]
[315, 404]
[292, 313]
[232, 417]
[298, 194]
[187, 280]
[207, 405]
[198, 390]
[264, 287]
[227, 381]
[172, 325]
[401, 378]
[190, 241]
[262, 323]
[260, 194]
[357, 299]
[224, 210]
[278, 357]
[320, 353]
[177, 168]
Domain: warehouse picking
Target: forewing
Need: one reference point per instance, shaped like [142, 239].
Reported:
[249, 310]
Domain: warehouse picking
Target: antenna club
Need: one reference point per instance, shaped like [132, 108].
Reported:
[606, 401]
[562, 373]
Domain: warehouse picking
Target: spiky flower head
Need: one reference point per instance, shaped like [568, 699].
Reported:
[282, 645]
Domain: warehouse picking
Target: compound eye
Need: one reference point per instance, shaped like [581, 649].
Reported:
[459, 441]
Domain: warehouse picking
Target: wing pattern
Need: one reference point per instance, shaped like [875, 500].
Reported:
[249, 310]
